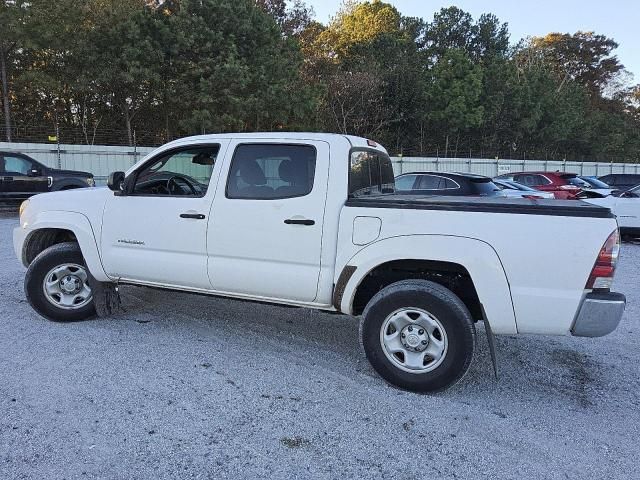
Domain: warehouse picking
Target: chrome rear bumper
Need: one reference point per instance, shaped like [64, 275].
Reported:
[599, 314]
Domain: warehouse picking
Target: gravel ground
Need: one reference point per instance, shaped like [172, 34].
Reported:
[187, 386]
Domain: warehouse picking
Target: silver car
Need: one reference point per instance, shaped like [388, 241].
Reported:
[517, 190]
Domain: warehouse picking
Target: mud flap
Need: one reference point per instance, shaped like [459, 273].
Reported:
[106, 297]
[491, 339]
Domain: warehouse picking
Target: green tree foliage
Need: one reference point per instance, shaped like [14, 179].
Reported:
[146, 71]
[583, 57]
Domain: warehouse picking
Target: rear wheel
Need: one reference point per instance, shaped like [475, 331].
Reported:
[418, 335]
[57, 286]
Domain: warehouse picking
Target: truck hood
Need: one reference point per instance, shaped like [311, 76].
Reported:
[70, 173]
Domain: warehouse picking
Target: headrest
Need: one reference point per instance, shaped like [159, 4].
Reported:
[293, 172]
[251, 173]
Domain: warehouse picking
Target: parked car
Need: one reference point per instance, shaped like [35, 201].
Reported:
[517, 190]
[621, 181]
[301, 219]
[626, 207]
[21, 176]
[565, 186]
[596, 185]
[441, 183]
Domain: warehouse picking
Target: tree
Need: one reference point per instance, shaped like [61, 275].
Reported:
[454, 94]
[292, 20]
[583, 57]
[13, 15]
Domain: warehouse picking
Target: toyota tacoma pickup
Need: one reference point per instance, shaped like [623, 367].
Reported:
[312, 220]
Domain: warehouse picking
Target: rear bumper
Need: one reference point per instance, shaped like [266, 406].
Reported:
[599, 314]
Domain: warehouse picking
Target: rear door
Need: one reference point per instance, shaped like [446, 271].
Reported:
[265, 228]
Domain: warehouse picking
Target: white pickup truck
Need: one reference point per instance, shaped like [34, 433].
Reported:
[311, 220]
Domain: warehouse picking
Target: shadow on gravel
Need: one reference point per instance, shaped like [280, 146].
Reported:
[552, 370]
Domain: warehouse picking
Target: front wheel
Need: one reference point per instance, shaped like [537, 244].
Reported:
[418, 335]
[56, 284]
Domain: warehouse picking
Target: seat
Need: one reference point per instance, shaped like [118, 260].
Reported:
[296, 175]
[251, 174]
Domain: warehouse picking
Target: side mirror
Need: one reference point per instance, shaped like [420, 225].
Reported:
[116, 181]
[34, 172]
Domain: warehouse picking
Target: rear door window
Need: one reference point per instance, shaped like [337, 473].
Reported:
[431, 182]
[271, 171]
[405, 182]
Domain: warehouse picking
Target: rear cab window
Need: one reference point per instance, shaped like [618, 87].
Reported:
[370, 173]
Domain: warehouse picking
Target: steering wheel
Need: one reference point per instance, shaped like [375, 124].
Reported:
[173, 184]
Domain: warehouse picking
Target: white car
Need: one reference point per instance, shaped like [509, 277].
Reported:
[626, 207]
[311, 220]
[518, 190]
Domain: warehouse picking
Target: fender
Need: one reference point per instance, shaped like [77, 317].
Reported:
[478, 257]
[81, 227]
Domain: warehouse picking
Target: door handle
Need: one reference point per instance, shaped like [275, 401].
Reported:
[295, 221]
[197, 216]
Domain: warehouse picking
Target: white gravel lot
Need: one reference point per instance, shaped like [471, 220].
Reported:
[187, 386]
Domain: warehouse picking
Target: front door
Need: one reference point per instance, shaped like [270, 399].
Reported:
[156, 232]
[265, 231]
[21, 177]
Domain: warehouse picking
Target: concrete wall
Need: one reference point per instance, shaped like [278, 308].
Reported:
[102, 160]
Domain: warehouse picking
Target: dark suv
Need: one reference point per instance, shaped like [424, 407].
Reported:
[441, 183]
[621, 181]
[21, 176]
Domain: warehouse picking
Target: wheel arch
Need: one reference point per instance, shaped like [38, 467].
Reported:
[53, 227]
[469, 267]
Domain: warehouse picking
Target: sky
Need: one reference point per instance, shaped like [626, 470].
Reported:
[617, 19]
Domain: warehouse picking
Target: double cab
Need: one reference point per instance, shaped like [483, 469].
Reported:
[312, 220]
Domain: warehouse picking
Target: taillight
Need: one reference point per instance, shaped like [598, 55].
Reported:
[602, 273]
[532, 197]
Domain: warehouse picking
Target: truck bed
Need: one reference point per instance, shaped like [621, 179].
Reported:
[523, 206]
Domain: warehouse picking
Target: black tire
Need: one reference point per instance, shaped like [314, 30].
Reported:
[61, 253]
[443, 304]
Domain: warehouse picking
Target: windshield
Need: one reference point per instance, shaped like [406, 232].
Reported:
[370, 173]
[577, 182]
[594, 182]
[484, 188]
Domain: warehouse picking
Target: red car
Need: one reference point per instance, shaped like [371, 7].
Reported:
[563, 185]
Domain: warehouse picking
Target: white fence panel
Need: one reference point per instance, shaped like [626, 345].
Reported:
[102, 160]
[491, 168]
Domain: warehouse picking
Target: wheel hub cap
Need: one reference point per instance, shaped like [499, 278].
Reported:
[65, 286]
[71, 284]
[414, 340]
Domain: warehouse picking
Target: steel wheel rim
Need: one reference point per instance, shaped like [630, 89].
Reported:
[65, 286]
[403, 335]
